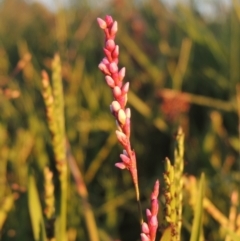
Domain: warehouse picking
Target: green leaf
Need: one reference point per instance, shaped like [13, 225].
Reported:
[35, 211]
[197, 222]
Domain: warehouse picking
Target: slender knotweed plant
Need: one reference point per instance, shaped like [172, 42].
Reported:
[114, 78]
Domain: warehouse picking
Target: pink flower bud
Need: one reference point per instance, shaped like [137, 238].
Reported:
[110, 45]
[127, 127]
[110, 81]
[108, 20]
[153, 221]
[122, 99]
[144, 237]
[114, 29]
[145, 228]
[121, 73]
[125, 159]
[121, 116]
[115, 106]
[148, 214]
[105, 61]
[117, 92]
[115, 52]
[102, 24]
[120, 165]
[108, 54]
[122, 138]
[125, 152]
[115, 77]
[155, 192]
[125, 88]
[128, 113]
[113, 68]
[104, 68]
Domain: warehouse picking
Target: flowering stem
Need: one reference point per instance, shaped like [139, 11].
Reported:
[139, 203]
[114, 79]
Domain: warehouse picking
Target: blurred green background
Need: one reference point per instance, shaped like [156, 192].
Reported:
[183, 65]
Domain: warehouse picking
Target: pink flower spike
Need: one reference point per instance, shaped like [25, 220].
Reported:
[125, 88]
[117, 92]
[110, 81]
[108, 20]
[145, 228]
[113, 68]
[125, 159]
[115, 106]
[110, 45]
[114, 29]
[144, 237]
[121, 116]
[121, 73]
[102, 24]
[120, 165]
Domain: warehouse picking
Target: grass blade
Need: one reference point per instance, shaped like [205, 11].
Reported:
[35, 210]
[197, 222]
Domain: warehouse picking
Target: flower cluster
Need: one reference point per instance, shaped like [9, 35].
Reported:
[114, 79]
[149, 229]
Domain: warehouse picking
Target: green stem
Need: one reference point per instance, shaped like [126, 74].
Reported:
[139, 203]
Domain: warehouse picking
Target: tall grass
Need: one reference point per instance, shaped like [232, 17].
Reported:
[58, 149]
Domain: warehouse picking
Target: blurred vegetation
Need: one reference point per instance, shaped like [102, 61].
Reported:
[183, 69]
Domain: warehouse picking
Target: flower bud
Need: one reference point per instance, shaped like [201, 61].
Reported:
[108, 20]
[102, 24]
[121, 73]
[125, 159]
[114, 29]
[110, 81]
[155, 192]
[154, 207]
[145, 228]
[144, 237]
[104, 68]
[122, 138]
[128, 113]
[105, 61]
[115, 52]
[121, 116]
[120, 165]
[115, 106]
[110, 45]
[117, 92]
[125, 88]
[107, 53]
[127, 127]
[113, 68]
